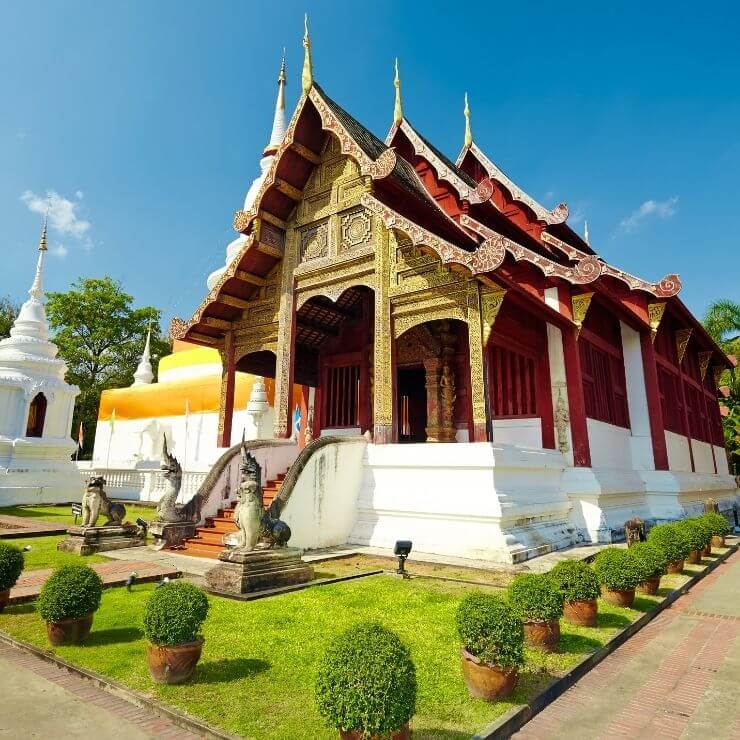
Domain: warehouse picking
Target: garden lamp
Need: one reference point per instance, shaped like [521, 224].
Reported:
[401, 550]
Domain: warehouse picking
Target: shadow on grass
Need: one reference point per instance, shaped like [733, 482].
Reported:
[643, 605]
[223, 671]
[577, 644]
[433, 733]
[30, 513]
[613, 620]
[98, 638]
[28, 608]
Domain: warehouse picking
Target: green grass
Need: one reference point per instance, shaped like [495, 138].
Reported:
[44, 553]
[258, 668]
[63, 513]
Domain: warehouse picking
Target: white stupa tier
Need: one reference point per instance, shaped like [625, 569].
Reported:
[36, 408]
[276, 138]
[144, 373]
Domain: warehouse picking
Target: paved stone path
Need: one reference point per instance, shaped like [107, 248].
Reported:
[679, 677]
[42, 700]
[113, 574]
[24, 526]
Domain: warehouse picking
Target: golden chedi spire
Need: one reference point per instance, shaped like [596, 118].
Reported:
[42, 241]
[307, 76]
[398, 107]
[468, 130]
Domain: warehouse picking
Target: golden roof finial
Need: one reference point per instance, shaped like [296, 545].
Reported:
[42, 241]
[307, 76]
[397, 108]
[468, 130]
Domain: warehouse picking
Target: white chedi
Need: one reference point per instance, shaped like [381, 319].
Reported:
[144, 375]
[276, 138]
[36, 408]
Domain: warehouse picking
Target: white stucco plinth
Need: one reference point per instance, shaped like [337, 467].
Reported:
[478, 501]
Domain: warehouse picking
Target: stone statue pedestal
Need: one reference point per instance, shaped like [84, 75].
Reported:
[246, 571]
[91, 540]
[171, 534]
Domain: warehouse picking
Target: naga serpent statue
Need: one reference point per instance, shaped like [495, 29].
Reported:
[168, 510]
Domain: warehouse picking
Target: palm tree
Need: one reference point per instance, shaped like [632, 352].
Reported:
[722, 322]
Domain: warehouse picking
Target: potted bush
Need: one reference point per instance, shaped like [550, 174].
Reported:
[67, 603]
[696, 535]
[11, 566]
[718, 526]
[654, 565]
[539, 604]
[674, 544]
[366, 684]
[579, 586]
[707, 529]
[492, 645]
[619, 573]
[173, 619]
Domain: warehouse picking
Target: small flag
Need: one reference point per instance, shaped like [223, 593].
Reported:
[81, 436]
[112, 420]
[297, 419]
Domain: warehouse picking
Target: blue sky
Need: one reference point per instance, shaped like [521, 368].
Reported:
[148, 121]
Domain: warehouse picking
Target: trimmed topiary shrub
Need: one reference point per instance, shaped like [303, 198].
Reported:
[716, 523]
[696, 534]
[651, 559]
[535, 597]
[11, 565]
[617, 569]
[491, 630]
[575, 580]
[72, 591]
[175, 614]
[671, 540]
[367, 681]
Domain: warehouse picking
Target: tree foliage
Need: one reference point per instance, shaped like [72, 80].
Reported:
[8, 312]
[100, 336]
[722, 321]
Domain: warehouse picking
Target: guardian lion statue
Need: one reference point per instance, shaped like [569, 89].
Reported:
[257, 529]
[95, 502]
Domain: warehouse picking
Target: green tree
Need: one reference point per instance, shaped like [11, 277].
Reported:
[8, 312]
[722, 321]
[100, 336]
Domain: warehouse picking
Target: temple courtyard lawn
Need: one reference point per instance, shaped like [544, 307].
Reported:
[256, 677]
[63, 512]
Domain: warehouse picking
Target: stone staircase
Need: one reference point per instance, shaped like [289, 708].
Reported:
[208, 540]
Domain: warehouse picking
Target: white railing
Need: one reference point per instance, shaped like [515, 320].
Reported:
[143, 485]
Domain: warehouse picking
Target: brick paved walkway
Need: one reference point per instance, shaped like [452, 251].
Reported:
[42, 700]
[24, 526]
[113, 574]
[679, 677]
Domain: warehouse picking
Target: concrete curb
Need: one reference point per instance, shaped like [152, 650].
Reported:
[505, 726]
[181, 719]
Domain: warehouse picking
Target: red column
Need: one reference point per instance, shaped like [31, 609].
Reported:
[576, 400]
[655, 411]
[226, 406]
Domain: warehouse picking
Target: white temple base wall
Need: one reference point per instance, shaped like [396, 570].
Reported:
[604, 499]
[522, 432]
[479, 501]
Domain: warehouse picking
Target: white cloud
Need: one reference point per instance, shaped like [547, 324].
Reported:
[663, 209]
[63, 214]
[59, 250]
[79, 195]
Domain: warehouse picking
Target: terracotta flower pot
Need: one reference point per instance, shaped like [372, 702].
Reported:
[173, 663]
[70, 631]
[485, 681]
[4, 598]
[403, 734]
[676, 566]
[582, 613]
[650, 586]
[707, 551]
[718, 540]
[621, 597]
[694, 557]
[543, 634]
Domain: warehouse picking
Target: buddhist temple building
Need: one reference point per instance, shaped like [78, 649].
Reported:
[503, 389]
